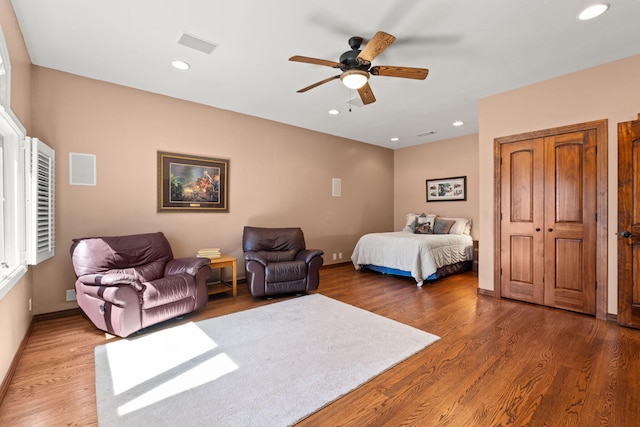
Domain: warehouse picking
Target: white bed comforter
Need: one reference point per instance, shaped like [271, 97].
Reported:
[421, 254]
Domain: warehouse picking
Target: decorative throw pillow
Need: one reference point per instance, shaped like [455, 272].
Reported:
[442, 226]
[424, 224]
[460, 225]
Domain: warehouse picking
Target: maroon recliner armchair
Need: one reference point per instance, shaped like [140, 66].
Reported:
[126, 283]
[276, 261]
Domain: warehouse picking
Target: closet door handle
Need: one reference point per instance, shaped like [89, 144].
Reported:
[551, 229]
[538, 229]
[626, 234]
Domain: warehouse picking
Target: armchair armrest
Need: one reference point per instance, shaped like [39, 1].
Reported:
[307, 255]
[110, 279]
[189, 265]
[255, 256]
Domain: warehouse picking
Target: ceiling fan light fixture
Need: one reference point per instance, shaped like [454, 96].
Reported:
[354, 79]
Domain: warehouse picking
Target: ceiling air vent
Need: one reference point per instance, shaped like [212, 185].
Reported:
[433, 132]
[196, 43]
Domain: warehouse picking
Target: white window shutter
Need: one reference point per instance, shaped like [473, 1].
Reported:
[41, 237]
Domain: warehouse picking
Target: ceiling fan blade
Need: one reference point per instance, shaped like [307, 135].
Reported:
[366, 94]
[376, 45]
[318, 84]
[404, 72]
[307, 60]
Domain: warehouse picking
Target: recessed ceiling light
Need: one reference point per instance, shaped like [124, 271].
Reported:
[593, 11]
[395, 138]
[334, 112]
[458, 123]
[181, 65]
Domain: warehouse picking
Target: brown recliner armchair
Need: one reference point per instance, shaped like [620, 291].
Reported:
[126, 283]
[277, 261]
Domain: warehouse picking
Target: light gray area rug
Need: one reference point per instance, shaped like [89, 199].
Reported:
[269, 366]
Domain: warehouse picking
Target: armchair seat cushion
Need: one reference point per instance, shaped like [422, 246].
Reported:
[167, 290]
[286, 271]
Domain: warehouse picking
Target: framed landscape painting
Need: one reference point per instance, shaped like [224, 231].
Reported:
[189, 183]
[447, 189]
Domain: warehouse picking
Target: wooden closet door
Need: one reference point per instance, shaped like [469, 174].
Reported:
[522, 212]
[629, 223]
[548, 221]
[570, 221]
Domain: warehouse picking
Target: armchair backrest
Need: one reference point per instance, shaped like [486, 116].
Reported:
[275, 244]
[146, 253]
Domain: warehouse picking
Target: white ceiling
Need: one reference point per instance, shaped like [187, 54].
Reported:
[472, 48]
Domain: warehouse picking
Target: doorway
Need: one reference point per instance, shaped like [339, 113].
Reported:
[551, 217]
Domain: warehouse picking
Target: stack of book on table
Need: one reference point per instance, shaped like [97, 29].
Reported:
[210, 253]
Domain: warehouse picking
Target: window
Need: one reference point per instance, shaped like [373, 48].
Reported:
[13, 262]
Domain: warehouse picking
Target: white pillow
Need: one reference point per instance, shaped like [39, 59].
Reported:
[460, 226]
[410, 226]
[411, 217]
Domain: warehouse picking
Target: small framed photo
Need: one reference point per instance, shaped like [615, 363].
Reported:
[189, 183]
[447, 189]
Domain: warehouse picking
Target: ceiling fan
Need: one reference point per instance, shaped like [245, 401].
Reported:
[356, 66]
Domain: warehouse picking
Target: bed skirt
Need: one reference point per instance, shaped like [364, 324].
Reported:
[446, 270]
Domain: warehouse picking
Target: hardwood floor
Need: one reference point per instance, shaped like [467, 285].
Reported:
[498, 362]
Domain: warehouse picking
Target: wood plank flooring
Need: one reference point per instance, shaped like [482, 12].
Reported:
[499, 362]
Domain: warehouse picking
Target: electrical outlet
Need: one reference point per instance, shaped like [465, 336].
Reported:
[71, 295]
[30, 307]
[339, 255]
[334, 256]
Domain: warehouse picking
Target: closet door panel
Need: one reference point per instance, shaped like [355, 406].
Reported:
[521, 221]
[570, 223]
[568, 183]
[521, 186]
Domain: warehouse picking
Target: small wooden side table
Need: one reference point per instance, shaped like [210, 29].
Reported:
[221, 263]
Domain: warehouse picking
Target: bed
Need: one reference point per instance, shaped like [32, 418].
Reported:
[422, 250]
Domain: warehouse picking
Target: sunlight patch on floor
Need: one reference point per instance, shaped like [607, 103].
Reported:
[205, 372]
[164, 363]
[134, 362]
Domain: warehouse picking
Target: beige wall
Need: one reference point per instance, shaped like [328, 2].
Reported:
[15, 316]
[610, 91]
[15, 319]
[441, 159]
[279, 175]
